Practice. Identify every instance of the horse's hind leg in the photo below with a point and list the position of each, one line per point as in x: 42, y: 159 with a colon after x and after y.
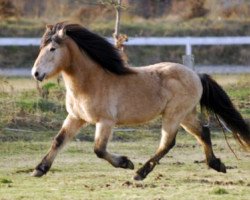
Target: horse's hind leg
x: 67, y: 132
x: 102, y: 134
x: 170, y: 127
x: 202, y: 133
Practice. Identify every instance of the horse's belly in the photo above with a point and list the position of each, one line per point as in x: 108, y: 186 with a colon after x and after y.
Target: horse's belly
x: 130, y: 120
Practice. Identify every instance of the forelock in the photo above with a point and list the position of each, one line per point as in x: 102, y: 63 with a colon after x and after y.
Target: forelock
x: 51, y: 35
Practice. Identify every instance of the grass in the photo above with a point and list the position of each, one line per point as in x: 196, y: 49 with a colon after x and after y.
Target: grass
x: 23, y: 108
x: 78, y: 174
x: 5, y: 181
x: 21, y: 27
x: 220, y: 191
x: 134, y: 26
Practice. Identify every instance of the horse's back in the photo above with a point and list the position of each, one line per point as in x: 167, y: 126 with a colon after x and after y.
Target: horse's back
x: 146, y: 94
x: 177, y: 74
x: 180, y: 80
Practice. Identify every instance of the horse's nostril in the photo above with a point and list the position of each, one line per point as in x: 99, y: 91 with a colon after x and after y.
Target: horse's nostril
x: 36, y: 74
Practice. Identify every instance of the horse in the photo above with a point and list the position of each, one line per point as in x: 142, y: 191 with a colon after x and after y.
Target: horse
x: 102, y: 90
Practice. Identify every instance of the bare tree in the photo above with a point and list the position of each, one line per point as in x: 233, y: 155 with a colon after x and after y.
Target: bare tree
x: 117, y: 7
x: 119, y: 38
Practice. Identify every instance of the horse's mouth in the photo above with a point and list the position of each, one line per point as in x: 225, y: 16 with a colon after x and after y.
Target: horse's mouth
x: 41, y: 78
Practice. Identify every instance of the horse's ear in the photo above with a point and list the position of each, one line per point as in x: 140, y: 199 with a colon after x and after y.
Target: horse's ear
x: 62, y: 33
x: 49, y: 27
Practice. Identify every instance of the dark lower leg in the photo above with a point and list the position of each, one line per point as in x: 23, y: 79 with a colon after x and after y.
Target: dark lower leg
x: 202, y: 133
x: 67, y: 132
x: 212, y: 161
x: 151, y: 163
x: 103, y: 131
x: 44, y: 166
x: 115, y: 160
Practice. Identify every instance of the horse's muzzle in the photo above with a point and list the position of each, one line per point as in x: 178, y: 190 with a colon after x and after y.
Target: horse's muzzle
x: 39, y: 76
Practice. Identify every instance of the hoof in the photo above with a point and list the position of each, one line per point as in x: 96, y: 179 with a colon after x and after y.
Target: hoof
x: 144, y: 171
x: 126, y: 163
x: 138, y: 177
x: 37, y: 173
x: 130, y: 165
x: 217, y: 165
x: 223, y: 168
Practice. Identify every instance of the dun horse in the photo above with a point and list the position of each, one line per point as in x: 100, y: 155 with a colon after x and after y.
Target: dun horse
x: 101, y: 90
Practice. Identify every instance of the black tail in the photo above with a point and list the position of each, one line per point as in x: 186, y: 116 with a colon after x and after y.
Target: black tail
x: 215, y: 99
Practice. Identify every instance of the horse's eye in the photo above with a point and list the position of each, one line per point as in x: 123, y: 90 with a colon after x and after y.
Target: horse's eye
x: 52, y: 49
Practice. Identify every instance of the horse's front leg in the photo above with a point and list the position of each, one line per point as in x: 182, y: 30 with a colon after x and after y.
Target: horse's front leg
x: 102, y: 134
x: 68, y: 131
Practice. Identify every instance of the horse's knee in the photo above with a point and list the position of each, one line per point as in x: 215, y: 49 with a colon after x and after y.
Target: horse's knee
x: 59, y: 140
x: 99, y: 152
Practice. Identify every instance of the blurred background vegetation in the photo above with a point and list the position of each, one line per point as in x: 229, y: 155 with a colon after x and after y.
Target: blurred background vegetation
x: 139, y: 18
x: 27, y: 18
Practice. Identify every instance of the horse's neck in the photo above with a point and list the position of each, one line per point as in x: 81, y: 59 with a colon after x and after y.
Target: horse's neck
x: 83, y: 75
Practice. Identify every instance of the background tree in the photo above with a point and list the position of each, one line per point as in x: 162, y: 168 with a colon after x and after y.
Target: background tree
x: 7, y: 9
x: 150, y: 8
x: 197, y: 8
x: 119, y: 38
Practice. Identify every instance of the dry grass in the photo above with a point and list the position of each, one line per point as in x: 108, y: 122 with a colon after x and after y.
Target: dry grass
x: 23, y: 108
x: 78, y: 174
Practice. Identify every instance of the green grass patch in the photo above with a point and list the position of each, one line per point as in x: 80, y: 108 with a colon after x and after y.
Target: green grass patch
x: 5, y: 181
x: 220, y: 191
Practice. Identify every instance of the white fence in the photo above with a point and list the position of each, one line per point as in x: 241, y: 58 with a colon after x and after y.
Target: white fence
x: 188, y: 42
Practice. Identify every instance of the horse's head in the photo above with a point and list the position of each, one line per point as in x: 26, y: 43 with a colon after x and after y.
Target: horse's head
x: 53, y: 56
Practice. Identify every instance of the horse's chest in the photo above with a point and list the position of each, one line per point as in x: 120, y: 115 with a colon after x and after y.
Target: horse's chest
x: 83, y: 109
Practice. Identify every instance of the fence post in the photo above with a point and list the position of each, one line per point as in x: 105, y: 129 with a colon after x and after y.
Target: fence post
x: 188, y: 60
x: 188, y: 48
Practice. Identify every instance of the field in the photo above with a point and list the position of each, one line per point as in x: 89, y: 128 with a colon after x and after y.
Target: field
x: 28, y: 122
x: 78, y: 174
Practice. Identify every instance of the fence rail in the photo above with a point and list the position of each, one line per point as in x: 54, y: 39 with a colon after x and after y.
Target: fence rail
x: 188, y: 42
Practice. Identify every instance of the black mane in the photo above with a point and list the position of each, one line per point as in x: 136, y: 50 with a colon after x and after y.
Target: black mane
x: 96, y: 47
